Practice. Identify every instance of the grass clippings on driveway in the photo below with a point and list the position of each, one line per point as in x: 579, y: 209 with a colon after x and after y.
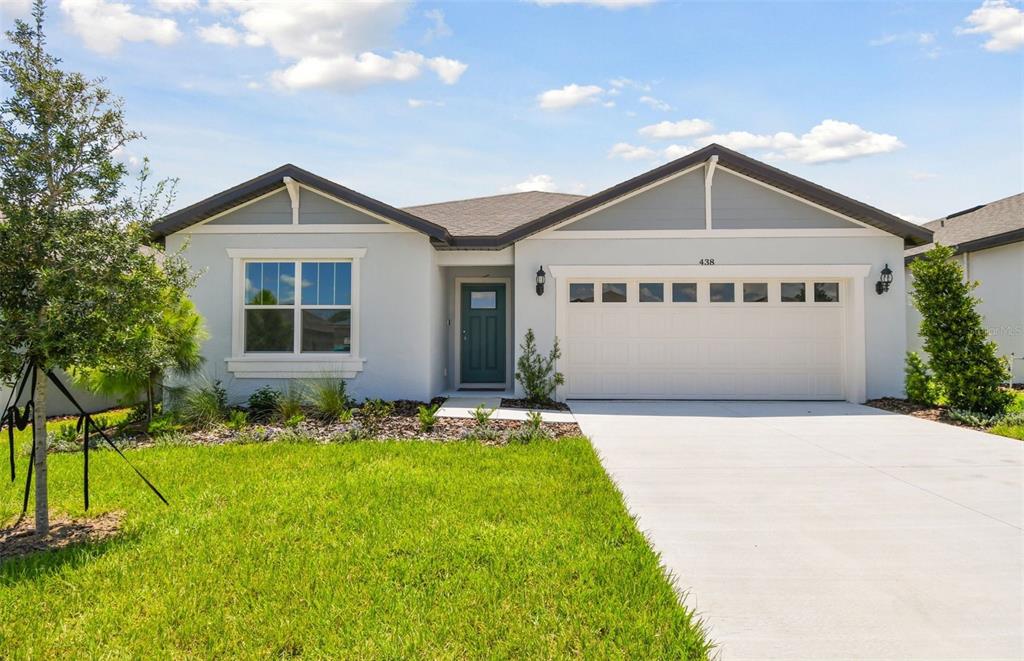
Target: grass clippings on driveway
x: 359, y: 550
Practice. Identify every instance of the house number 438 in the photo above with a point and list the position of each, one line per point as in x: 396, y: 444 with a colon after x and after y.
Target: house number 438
x: 707, y: 261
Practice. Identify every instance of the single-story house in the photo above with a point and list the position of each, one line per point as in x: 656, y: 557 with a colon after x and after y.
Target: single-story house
x: 989, y: 243
x: 712, y: 276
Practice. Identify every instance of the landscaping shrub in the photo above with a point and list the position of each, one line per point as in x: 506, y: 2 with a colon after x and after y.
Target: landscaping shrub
x: 962, y: 357
x: 921, y: 388
x: 537, y: 373
x: 531, y: 430
x: 427, y: 415
x: 64, y: 438
x: 294, y: 421
x: 238, y: 420
x: 329, y: 398
x: 162, y: 424
x: 200, y: 406
x: 372, y: 415
x: 290, y: 403
x: 482, y: 431
x: 263, y: 403
x: 482, y: 415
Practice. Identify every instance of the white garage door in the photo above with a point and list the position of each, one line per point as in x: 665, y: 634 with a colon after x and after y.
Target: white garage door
x: 705, y: 339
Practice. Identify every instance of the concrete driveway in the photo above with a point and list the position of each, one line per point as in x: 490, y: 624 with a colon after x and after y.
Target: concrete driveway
x: 814, y: 530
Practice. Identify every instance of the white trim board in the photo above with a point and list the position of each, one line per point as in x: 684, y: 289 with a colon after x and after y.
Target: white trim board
x: 811, y: 233
x: 305, y: 228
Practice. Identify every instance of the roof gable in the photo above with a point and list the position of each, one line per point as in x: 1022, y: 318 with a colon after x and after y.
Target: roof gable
x: 752, y: 168
x: 270, y: 181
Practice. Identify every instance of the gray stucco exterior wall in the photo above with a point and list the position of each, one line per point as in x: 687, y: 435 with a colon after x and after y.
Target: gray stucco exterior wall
x: 274, y: 209
x: 396, y: 303
x: 740, y: 204
x: 673, y: 205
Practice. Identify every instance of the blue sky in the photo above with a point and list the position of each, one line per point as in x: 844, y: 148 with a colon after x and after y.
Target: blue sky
x: 913, y: 107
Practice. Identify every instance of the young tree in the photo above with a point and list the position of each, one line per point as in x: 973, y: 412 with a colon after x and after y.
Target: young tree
x: 171, y: 346
x: 73, y: 280
x: 963, y: 359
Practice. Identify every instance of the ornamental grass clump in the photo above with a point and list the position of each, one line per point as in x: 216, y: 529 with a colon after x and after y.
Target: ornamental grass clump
x: 962, y: 357
x: 329, y: 398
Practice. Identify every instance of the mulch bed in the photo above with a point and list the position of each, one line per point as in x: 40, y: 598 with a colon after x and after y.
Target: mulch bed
x: 923, y: 411
x: 526, y: 404
x: 22, y: 539
x: 402, y: 424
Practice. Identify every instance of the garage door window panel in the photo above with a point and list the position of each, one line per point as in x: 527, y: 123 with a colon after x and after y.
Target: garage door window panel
x: 826, y: 292
x: 581, y: 292
x: 722, y: 292
x: 755, y: 292
x: 613, y: 292
x: 652, y: 292
x: 684, y: 292
x: 794, y: 292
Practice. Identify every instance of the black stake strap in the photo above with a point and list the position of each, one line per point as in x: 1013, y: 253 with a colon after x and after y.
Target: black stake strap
x: 12, y: 417
x: 81, y: 411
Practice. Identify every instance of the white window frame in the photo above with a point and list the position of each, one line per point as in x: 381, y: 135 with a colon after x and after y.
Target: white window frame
x: 293, y: 364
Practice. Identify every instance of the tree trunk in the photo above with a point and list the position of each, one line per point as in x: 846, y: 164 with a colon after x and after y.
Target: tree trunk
x: 149, y: 400
x: 39, y: 422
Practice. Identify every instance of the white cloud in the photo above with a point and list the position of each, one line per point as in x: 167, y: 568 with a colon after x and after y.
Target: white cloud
x: 920, y: 175
x: 323, y: 29
x: 449, y: 71
x: 913, y: 218
x: 174, y: 5
x: 219, y: 34
x: 535, y: 182
x: 621, y: 83
x: 657, y: 104
x: 103, y: 26
x: 920, y: 38
x: 1000, y: 21
x: 346, y: 72
x: 629, y: 152
x: 331, y: 44
x: 440, y: 29
x: 422, y: 103
x: 607, y: 4
x: 16, y: 9
x: 684, y: 128
x: 608, y: 104
x: 568, y: 96
x: 926, y: 41
x: 831, y: 140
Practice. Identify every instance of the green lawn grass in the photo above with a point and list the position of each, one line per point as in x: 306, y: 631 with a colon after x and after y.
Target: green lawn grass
x: 1012, y: 430
x: 362, y: 550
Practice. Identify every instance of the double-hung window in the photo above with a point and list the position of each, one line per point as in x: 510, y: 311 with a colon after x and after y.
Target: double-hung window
x: 298, y: 306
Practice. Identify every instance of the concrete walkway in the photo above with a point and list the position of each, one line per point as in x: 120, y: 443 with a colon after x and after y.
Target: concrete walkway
x: 462, y: 407
x: 818, y: 530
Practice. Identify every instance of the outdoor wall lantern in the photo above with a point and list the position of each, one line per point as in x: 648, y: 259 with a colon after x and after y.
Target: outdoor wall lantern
x: 884, y: 281
x: 540, y: 281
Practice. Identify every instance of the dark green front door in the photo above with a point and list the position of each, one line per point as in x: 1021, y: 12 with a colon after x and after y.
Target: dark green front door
x: 482, y: 336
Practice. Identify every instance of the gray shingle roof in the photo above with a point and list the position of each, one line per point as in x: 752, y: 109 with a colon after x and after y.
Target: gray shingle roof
x: 988, y: 220
x: 493, y: 215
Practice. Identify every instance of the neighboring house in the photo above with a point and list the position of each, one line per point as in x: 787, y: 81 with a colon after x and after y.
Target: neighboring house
x: 58, y: 404
x: 713, y: 276
x: 989, y: 243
